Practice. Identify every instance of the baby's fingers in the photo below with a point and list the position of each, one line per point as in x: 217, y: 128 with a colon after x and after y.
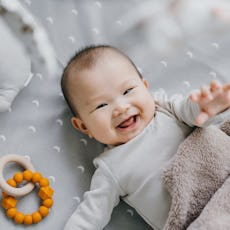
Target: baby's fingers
x: 226, y: 87
x: 215, y: 86
x: 205, y: 93
x: 195, y: 96
x: 201, y: 96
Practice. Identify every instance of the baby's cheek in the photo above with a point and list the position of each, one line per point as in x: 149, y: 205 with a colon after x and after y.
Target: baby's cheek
x: 99, y: 126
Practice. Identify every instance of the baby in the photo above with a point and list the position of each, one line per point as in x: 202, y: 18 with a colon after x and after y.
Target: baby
x: 111, y: 103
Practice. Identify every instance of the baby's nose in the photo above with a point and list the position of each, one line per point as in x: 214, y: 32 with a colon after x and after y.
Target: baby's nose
x: 121, y: 107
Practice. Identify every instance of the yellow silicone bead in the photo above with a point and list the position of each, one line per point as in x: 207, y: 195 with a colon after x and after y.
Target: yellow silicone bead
x: 4, y: 195
x: 44, y: 211
x: 18, y: 177
x: 28, y: 220
x: 36, y: 217
x: 44, y: 182
x: 36, y: 177
x: 45, y: 192
x: 19, y: 217
x: 12, y: 183
x: 48, y: 202
x: 11, y: 212
x: 9, y: 202
x: 27, y: 175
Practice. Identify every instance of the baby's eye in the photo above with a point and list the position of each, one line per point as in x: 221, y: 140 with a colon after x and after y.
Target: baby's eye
x: 101, y: 106
x: 128, y: 91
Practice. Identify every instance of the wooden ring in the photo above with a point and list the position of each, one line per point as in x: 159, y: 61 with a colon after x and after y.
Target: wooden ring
x: 24, y: 163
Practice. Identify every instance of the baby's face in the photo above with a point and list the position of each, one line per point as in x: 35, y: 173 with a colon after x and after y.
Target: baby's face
x: 113, y: 102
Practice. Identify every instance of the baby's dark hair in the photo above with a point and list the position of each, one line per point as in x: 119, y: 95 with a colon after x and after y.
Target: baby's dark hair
x: 86, y: 58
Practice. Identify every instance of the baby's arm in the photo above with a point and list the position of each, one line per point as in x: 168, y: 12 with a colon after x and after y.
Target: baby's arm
x: 95, y: 210
x: 211, y: 100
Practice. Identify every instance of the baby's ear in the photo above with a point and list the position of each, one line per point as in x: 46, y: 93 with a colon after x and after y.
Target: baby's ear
x: 145, y: 83
x: 80, y: 126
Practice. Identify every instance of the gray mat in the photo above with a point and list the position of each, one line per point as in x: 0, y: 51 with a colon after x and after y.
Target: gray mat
x: 38, y: 125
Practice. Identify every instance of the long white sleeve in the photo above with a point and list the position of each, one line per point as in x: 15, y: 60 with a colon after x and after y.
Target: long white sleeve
x: 185, y: 110
x: 95, y: 210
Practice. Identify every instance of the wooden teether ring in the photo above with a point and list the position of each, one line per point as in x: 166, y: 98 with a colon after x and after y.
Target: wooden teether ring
x: 45, y: 193
x: 24, y: 163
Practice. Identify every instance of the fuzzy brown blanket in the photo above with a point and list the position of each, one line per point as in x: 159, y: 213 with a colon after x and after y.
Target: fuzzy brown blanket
x: 199, y: 183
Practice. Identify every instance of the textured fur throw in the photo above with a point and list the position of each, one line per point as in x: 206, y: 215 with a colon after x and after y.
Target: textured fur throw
x: 199, y: 183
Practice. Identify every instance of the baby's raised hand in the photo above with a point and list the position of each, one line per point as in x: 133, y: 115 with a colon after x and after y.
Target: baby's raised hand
x: 211, y: 100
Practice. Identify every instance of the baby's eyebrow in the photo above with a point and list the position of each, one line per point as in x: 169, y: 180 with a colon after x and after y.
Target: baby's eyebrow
x: 131, y: 82
x: 94, y: 99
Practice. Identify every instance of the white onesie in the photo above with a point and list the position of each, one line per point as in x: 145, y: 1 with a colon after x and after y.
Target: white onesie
x: 132, y: 171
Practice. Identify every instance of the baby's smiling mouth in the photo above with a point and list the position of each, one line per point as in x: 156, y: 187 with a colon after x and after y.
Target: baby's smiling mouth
x: 128, y: 122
